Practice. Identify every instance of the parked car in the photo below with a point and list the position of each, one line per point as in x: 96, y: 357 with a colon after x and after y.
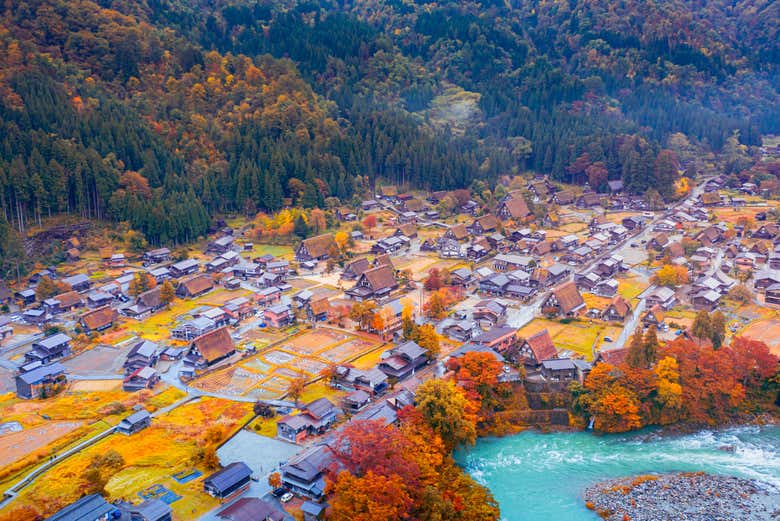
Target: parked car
x: 287, y: 497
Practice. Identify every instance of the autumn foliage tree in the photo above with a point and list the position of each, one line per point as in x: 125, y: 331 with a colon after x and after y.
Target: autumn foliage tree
x: 369, y: 498
x: 449, y: 413
x: 671, y: 275
x: 402, y: 472
x: 692, y: 382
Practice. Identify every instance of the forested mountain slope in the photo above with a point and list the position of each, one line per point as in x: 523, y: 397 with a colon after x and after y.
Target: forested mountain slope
x: 165, y: 112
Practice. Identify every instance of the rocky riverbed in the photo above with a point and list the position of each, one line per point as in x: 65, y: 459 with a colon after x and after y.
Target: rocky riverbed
x: 684, y: 496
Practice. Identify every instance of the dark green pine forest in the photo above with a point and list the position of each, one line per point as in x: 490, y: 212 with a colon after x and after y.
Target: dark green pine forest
x: 165, y: 113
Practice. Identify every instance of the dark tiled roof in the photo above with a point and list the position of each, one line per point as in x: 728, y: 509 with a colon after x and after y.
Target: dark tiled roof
x: 229, y: 476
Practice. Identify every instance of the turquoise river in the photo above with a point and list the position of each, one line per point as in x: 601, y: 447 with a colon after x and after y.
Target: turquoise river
x: 541, y: 477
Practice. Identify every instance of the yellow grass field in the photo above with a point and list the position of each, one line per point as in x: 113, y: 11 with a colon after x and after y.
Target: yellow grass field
x: 575, y: 336
x: 631, y: 287
x: 172, y: 443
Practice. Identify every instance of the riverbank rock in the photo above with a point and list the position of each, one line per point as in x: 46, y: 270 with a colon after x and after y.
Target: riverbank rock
x: 684, y: 496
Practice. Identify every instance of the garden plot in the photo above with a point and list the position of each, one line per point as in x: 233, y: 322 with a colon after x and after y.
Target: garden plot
x: 268, y: 374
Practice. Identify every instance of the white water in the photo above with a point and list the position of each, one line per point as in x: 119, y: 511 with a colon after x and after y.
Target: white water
x: 539, y: 477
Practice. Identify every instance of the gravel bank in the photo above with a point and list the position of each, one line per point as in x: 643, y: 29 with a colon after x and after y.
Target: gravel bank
x: 685, y: 496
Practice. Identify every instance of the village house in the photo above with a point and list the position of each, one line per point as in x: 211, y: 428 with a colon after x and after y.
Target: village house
x: 239, y: 308
x: 710, y: 235
x: 136, y: 422
x: 315, y: 248
x: 579, y: 255
x: 304, y: 474
x: 210, y: 348
x: 511, y: 262
x: 588, y: 200
x: 564, y: 300
x: 317, y: 309
x: 222, y: 262
x: 560, y: 370
x: 372, y: 381
x: 42, y: 381
x: 461, y: 277
x: 406, y: 230
x: 772, y: 295
x: 706, y: 300
x: 145, y: 304
x: 536, y: 348
x: 63, y: 303
x: 80, y: 282
x: 654, y: 316
x: 513, y: 206
x: 355, y: 268
x: 482, y: 225
x: 195, y: 286
x: 97, y: 507
x: 606, y: 288
x: 563, y: 197
x: 268, y: 296
x: 766, y: 231
x: 220, y: 245
x: 498, y: 338
x: 315, y: 418
x: 617, y: 310
x: 633, y: 222
x: 157, y: 256
x: 587, y: 281
x: 36, y: 317
x: 765, y: 278
x: 279, y: 315
x: 98, y: 320
x: 711, y: 199
x: 392, y: 314
x: 460, y: 330
x: 478, y: 249
x: 228, y: 481
x: 457, y: 232
x: 403, y: 360
x: 370, y: 204
x: 390, y: 244
x: 25, y: 296
x: 142, y: 354
x: 184, y: 268
x: 663, y: 296
x: 407, y: 217
x: 450, y: 249
x: 48, y: 349
x: 374, y: 284
x: 659, y: 242
x: 189, y: 329
x: 495, y: 284
x: 611, y: 356
x: 489, y: 313
x: 664, y: 225
x: 141, y: 378
x: 99, y: 298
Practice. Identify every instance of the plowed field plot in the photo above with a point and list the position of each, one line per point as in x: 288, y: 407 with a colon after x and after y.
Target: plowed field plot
x: 276, y: 357
x: 315, y: 341
x: 16, y: 445
x: 345, y: 350
x: 268, y: 374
